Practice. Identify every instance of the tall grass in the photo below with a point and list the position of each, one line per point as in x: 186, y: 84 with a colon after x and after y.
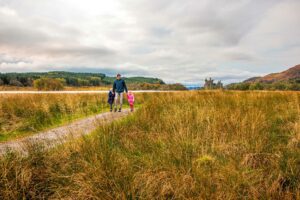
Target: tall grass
x: 189, y: 145
x: 23, y: 114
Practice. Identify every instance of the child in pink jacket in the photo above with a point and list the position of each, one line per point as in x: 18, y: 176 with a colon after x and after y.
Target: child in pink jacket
x: 130, y: 98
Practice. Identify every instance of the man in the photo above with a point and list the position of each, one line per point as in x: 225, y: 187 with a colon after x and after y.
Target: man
x: 118, y: 89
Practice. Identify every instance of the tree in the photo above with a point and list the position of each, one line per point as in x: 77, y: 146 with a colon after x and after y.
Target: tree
x: 95, y: 81
x: 16, y: 83
x: 83, y: 82
x: 49, y: 84
x: 279, y: 86
x: 256, y: 86
x: 239, y: 86
x: 294, y: 86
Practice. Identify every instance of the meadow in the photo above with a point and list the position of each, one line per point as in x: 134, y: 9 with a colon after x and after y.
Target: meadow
x: 86, y: 88
x: 185, y: 145
x: 25, y: 114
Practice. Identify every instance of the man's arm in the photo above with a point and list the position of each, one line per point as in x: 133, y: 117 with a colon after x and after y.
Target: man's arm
x: 114, y: 87
x: 125, y: 87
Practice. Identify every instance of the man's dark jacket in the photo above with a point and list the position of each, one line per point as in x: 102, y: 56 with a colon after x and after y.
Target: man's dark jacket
x: 120, y: 86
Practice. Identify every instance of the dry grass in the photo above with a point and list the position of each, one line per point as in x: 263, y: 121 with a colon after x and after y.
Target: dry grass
x: 23, y: 114
x: 189, y: 145
x: 86, y: 88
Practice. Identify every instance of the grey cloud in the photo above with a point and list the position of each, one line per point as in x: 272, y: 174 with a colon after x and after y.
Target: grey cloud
x: 80, y: 51
x: 171, y: 39
x: 226, y: 21
x: 110, y: 71
x: 239, y: 56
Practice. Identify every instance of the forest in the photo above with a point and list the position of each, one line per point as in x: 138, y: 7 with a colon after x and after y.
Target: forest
x: 68, y: 78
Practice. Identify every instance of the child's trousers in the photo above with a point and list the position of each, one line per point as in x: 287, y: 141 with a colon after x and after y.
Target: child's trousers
x: 131, y: 107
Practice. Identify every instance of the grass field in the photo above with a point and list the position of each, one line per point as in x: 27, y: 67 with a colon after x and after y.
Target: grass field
x: 189, y: 145
x: 24, y: 114
x: 12, y: 88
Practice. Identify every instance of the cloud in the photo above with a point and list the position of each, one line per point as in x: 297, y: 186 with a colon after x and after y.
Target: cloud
x: 178, y: 41
x: 4, y: 59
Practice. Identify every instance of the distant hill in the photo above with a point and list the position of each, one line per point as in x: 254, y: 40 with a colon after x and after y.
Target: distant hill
x: 70, y: 79
x: 252, y: 80
x: 286, y: 80
x: 137, y: 79
x: 287, y: 75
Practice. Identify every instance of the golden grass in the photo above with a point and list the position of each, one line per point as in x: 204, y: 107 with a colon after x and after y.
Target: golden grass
x: 189, y: 145
x: 21, y: 114
x: 24, y: 114
x: 87, y: 88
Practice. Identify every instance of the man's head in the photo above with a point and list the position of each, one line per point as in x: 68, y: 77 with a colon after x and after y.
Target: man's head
x: 118, y: 76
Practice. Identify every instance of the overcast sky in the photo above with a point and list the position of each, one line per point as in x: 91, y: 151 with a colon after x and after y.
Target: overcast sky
x: 176, y: 40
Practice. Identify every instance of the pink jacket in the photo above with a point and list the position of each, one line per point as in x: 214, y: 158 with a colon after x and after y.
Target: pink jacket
x: 130, y: 98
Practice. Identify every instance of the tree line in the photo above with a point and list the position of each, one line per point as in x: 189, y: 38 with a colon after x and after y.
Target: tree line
x: 58, y: 79
x: 293, y: 85
x: 69, y: 78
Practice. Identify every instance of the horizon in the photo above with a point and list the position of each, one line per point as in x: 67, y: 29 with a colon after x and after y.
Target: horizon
x: 192, y: 84
x: 186, y: 84
x: 170, y: 40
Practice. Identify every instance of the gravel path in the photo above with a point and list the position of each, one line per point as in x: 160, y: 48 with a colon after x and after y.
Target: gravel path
x: 62, y: 134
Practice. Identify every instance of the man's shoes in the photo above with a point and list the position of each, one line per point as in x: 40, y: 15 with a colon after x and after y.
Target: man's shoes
x: 115, y: 109
x: 120, y: 110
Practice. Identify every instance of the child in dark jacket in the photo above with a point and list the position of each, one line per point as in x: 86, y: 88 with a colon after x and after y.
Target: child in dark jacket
x: 111, y: 99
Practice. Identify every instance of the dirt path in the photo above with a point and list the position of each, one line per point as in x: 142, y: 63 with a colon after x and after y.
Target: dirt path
x: 62, y: 134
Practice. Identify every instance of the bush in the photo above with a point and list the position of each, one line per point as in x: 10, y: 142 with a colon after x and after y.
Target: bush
x: 289, y: 85
x: 156, y: 86
x: 279, y: 86
x: 95, y: 81
x: 294, y: 87
x: 16, y: 83
x: 239, y: 86
x: 256, y: 86
x: 49, y: 84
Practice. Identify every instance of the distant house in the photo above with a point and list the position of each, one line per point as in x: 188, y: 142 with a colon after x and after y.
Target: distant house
x: 210, y: 85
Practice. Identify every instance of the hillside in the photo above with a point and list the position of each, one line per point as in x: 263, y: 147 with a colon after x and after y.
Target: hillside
x: 286, y: 80
x: 287, y: 75
x: 70, y: 78
x: 137, y: 79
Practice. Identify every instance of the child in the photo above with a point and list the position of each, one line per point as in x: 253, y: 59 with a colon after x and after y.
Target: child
x: 130, y: 98
x: 111, y: 99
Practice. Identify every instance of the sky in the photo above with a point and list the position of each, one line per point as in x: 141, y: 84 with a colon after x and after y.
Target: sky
x: 182, y: 41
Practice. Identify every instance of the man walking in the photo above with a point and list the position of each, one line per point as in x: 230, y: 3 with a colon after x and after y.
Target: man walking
x: 118, y: 88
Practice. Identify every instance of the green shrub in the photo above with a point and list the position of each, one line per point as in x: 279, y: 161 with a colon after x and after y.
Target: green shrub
x: 49, y: 84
